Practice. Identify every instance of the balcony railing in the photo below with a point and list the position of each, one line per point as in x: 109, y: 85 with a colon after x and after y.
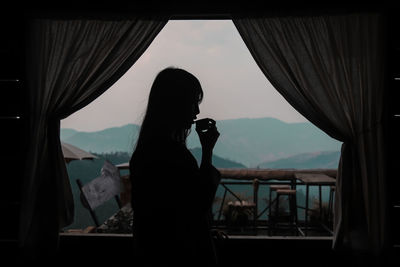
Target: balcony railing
x: 246, y: 192
x: 253, y: 209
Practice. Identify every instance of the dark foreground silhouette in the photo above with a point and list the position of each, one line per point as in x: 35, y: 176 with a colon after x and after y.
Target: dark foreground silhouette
x: 171, y: 195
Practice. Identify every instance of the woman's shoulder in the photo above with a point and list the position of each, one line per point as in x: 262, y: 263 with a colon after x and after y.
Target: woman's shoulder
x: 161, y: 161
x: 165, y: 150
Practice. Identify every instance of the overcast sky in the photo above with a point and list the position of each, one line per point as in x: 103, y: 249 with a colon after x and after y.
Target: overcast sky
x: 234, y: 86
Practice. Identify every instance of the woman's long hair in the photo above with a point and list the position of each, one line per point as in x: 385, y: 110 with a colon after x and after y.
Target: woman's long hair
x: 172, y: 95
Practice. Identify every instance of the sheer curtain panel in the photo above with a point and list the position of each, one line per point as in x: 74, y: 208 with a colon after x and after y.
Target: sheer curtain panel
x: 69, y: 64
x: 331, y: 69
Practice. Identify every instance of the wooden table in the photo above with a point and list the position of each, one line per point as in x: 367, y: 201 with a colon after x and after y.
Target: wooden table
x: 314, y: 179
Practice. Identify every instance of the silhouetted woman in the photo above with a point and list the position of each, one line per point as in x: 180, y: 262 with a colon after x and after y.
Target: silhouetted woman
x: 171, y: 195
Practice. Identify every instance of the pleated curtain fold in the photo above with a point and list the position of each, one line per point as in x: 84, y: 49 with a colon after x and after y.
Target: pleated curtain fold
x: 69, y: 64
x: 331, y: 69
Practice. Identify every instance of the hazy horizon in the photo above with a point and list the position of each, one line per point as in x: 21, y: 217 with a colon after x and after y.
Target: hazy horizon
x: 122, y: 125
x: 234, y: 86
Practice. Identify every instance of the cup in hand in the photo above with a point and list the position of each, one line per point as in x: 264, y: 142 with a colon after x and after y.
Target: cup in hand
x: 203, y: 125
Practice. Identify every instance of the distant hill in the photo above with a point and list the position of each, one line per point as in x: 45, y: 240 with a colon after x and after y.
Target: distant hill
x: 87, y: 170
x: 316, y: 160
x: 249, y: 141
x: 67, y: 133
x: 109, y: 140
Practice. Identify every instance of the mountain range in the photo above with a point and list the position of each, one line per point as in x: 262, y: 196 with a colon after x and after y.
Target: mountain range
x: 252, y: 142
x: 315, y: 160
x: 262, y: 143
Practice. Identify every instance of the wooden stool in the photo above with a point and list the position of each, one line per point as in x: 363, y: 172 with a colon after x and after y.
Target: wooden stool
x: 330, y: 203
x: 275, y: 188
x: 291, y: 194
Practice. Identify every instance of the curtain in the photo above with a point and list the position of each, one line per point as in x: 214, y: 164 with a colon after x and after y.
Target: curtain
x: 331, y: 69
x: 69, y: 64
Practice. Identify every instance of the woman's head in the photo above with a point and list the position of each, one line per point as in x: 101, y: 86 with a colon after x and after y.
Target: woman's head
x: 173, y: 104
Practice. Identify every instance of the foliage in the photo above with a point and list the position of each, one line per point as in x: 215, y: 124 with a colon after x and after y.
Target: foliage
x: 237, y: 213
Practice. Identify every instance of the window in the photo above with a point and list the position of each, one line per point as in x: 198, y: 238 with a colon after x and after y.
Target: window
x: 259, y: 129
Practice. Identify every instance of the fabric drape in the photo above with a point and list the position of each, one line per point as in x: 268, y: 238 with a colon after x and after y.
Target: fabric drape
x: 69, y: 64
x: 331, y: 69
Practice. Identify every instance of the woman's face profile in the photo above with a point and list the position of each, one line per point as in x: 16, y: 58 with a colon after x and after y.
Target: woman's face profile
x: 191, y: 115
x: 174, y: 99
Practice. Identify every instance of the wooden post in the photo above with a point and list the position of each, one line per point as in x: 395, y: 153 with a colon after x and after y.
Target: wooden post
x: 256, y: 185
x: 222, y: 206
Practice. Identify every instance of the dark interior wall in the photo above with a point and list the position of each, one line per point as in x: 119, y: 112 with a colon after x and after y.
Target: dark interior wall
x: 233, y: 252
x: 392, y: 122
x: 13, y: 120
x: 190, y: 9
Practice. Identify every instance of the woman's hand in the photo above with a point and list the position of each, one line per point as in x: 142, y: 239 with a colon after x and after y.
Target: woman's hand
x: 208, y: 138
